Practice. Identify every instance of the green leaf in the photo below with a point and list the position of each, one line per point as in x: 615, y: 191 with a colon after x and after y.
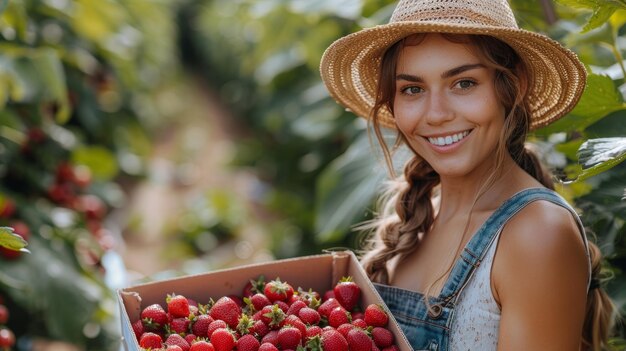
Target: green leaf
x: 602, y: 10
x: 599, y: 99
x: 98, y: 159
x: 50, y: 69
x: 11, y: 240
x: 599, y: 155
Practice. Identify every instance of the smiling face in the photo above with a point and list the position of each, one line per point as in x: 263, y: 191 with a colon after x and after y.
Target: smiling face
x: 446, y: 105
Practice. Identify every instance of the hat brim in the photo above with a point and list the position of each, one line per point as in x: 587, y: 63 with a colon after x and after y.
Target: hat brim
x: 350, y: 67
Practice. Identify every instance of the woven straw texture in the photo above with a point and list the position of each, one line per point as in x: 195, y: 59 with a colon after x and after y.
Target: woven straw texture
x: 350, y: 66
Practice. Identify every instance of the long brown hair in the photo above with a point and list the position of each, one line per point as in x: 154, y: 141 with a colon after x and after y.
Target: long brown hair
x: 407, y: 209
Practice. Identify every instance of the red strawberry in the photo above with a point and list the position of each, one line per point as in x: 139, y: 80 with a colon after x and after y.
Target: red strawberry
x: 374, y: 347
x: 345, y: 328
x: 359, y: 323
x: 177, y: 305
x: 330, y: 294
x: 273, y: 316
x: 175, y: 339
x: 254, y: 286
x: 332, y: 340
x: 227, y: 310
x: 214, y: 326
x: 309, y: 316
x: 201, y: 345
x: 150, y: 340
x: 277, y: 290
x: 391, y: 348
x: 313, y: 331
x: 248, y: 343
x: 283, y: 305
x: 382, y: 337
x: 289, y: 338
x: 190, y: 338
x: 376, y: 316
x: 237, y: 300
x: 267, y: 347
x: 338, y: 316
x: 137, y: 328
x: 154, y: 317
x: 223, y: 340
x: 357, y: 315
x: 201, y: 324
x: 271, y: 337
x: 358, y: 340
x: 296, y: 307
x: 179, y: 326
x: 173, y: 348
x: 259, y: 301
x: 327, y: 306
x: 347, y: 293
x: 259, y: 328
x: 295, y: 322
x: 309, y: 295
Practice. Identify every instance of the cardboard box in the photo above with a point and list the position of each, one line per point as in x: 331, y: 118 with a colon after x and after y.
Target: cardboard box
x: 319, y: 272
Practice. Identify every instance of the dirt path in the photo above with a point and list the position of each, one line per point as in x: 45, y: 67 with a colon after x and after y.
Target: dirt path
x: 189, y: 158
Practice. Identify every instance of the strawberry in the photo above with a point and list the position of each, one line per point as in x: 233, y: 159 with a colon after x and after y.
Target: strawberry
x: 347, y: 293
x: 154, y: 317
x: 329, y: 340
x: 391, y: 348
x: 259, y: 301
x: 259, y: 328
x: 267, y: 347
x: 276, y: 290
x: 345, y: 328
x: 359, y: 323
x: 201, y: 345
x: 150, y: 340
x: 330, y: 294
x: 313, y: 331
x: 295, y: 322
x: 227, y: 310
x: 296, y: 307
x: 175, y: 339
x: 357, y: 315
x: 254, y: 286
x: 271, y: 337
x: 374, y: 347
x: 179, y: 326
x: 214, y: 326
x: 237, y: 300
x: 376, y: 316
x: 248, y: 343
x: 137, y: 328
x: 273, y: 316
x: 173, y: 348
x: 177, y: 305
x: 309, y: 316
x: 382, y: 337
x: 245, y: 325
x: 358, y: 340
x: 282, y: 305
x: 338, y: 316
x: 223, y: 340
x: 191, y: 338
x: 327, y: 306
x: 289, y: 338
x: 201, y: 324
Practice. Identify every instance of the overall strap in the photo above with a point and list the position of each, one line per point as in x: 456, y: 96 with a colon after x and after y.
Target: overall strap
x: 475, y: 250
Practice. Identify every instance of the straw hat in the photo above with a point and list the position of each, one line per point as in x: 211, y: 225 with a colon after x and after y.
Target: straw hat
x: 350, y: 66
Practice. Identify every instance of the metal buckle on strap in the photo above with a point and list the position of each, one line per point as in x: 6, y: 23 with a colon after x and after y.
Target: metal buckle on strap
x: 435, y: 311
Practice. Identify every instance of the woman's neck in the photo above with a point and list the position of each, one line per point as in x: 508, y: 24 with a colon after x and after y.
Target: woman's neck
x: 481, y: 190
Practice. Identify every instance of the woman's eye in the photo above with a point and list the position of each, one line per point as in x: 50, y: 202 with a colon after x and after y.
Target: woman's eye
x: 412, y: 90
x: 465, y: 84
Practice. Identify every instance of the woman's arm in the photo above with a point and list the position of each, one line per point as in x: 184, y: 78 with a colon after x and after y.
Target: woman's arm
x: 539, y: 278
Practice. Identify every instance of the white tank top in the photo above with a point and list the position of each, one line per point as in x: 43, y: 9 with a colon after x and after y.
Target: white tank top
x: 477, y: 316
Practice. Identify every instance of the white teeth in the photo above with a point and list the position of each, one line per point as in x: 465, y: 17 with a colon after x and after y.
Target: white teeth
x: 448, y: 140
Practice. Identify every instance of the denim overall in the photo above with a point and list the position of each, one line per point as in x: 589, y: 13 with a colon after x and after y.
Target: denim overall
x: 431, y: 331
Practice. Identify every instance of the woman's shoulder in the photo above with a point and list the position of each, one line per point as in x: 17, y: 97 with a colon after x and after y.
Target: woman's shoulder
x: 542, y: 246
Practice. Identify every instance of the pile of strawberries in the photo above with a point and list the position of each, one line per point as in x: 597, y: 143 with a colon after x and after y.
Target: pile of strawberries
x: 270, y: 316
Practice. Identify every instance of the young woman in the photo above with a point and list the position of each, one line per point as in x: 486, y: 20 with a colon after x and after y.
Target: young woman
x: 473, y: 250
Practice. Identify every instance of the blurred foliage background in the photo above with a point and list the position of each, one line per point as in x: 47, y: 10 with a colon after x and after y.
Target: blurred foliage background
x: 90, y: 88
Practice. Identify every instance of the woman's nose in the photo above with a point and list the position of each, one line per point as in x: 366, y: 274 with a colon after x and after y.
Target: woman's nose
x: 439, y: 110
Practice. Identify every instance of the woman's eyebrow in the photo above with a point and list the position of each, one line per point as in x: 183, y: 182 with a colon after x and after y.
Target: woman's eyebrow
x: 447, y: 74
